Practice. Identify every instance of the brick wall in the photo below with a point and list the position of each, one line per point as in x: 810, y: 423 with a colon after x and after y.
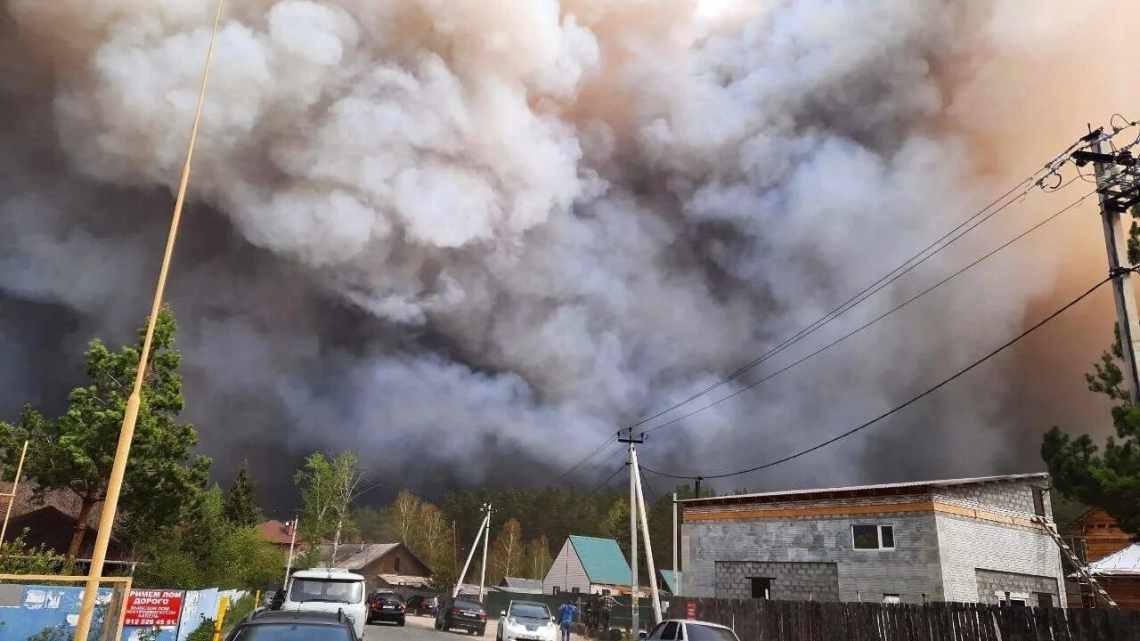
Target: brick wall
x: 968, y: 545
x: 991, y: 584
x: 790, y: 581
x: 911, y: 570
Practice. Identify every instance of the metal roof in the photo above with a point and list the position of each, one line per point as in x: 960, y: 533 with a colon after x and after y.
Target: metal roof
x: 521, y: 586
x: 1124, y: 563
x: 356, y: 556
x: 602, y: 559
x: 885, y: 488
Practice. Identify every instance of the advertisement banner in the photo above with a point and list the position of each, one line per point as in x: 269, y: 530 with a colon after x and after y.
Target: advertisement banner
x: 149, y: 608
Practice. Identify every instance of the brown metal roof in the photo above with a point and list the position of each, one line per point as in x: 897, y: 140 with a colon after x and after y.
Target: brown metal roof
x: 882, y: 489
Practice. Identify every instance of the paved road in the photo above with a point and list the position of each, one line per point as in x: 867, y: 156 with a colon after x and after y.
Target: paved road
x: 419, y: 629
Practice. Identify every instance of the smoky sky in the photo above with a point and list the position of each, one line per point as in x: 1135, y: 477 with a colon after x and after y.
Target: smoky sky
x: 469, y: 240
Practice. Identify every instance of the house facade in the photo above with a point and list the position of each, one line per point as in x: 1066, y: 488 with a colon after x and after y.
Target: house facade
x: 383, y: 565
x: 964, y: 540
x: 588, y: 565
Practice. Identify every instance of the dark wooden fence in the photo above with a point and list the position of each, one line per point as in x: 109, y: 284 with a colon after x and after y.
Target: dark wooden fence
x: 756, y: 620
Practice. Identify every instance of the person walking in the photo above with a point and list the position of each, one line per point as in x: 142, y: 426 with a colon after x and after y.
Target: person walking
x: 566, y: 615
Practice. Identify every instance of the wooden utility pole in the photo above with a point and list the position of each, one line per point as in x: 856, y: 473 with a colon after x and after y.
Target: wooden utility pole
x: 12, y: 495
x: 131, y: 413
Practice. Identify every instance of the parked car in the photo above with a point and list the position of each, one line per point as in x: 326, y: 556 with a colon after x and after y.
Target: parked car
x: 464, y: 613
x: 526, y: 621
x: 688, y: 630
x: 386, y: 606
x: 421, y: 605
x: 328, y: 590
x: 281, y: 625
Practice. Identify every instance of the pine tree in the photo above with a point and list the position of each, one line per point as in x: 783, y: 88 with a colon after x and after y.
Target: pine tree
x: 241, y: 501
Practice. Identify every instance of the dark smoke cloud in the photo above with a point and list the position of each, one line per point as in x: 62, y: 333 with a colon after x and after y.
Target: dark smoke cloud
x: 470, y: 239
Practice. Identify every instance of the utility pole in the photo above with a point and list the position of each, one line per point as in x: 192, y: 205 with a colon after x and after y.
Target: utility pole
x: 633, y: 581
x: 1117, y: 190
x: 470, y: 555
x: 486, y: 538
x: 656, y: 596
x: 292, y: 541
x: 134, y: 401
x: 676, y: 572
x: 12, y: 495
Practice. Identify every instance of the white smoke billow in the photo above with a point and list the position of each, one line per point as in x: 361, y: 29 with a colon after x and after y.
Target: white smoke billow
x: 569, y: 212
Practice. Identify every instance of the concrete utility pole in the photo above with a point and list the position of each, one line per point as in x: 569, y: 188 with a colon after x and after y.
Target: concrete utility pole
x: 486, y: 538
x: 134, y: 401
x: 656, y: 596
x: 1117, y: 195
x: 633, y: 581
x: 470, y: 555
x: 676, y: 572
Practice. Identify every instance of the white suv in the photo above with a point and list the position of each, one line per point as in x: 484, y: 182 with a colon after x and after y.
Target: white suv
x: 329, y: 590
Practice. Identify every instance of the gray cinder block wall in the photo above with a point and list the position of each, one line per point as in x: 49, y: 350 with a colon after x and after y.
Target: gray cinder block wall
x: 940, y: 553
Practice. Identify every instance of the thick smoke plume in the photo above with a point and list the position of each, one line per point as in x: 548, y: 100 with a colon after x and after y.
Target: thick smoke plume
x: 454, y: 234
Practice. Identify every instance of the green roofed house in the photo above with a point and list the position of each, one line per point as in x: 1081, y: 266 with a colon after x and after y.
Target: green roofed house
x: 588, y: 565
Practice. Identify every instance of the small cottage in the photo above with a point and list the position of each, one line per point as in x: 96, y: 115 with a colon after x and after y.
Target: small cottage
x: 588, y: 565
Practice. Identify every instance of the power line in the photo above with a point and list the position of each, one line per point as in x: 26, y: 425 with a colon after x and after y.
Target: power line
x: 875, y: 320
x: 978, y: 218
x: 600, y: 486
x: 583, y: 460
x: 897, y: 408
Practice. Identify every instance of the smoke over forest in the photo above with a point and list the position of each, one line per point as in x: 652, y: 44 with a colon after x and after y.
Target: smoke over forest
x: 471, y: 238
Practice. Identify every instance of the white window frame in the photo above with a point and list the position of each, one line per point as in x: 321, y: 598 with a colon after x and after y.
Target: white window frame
x: 892, y: 599
x: 878, y: 537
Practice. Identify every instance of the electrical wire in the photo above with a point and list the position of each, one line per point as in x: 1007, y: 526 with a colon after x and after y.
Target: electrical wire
x: 914, y: 399
x: 875, y: 320
x: 1026, y: 185
x: 583, y: 460
x: 600, y: 486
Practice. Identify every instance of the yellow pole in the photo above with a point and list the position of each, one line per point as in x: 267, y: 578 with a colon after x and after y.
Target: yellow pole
x: 127, y: 431
x: 256, y: 599
x: 223, y: 606
x: 12, y: 496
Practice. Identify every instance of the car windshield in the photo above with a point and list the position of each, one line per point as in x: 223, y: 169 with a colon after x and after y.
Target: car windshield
x: 331, y: 591
x: 697, y: 632
x: 468, y: 605
x: 293, y: 632
x: 530, y: 611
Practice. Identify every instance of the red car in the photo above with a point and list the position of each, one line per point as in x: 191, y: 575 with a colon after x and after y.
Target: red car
x: 386, y: 606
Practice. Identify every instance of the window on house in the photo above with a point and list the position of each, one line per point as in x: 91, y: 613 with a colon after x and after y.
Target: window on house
x: 761, y: 587
x: 1039, y: 501
x: 556, y: 590
x: 397, y: 565
x: 605, y: 592
x: 891, y: 599
x: 575, y: 590
x: 1044, y: 600
x: 873, y: 537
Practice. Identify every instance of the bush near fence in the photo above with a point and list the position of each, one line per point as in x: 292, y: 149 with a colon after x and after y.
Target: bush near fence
x: 756, y: 620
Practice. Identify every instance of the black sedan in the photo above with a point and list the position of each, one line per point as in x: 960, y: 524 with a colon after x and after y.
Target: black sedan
x: 275, y: 625
x: 386, y: 606
x: 462, y: 613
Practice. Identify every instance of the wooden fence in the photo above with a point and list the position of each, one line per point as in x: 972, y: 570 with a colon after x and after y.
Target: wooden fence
x: 756, y: 620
